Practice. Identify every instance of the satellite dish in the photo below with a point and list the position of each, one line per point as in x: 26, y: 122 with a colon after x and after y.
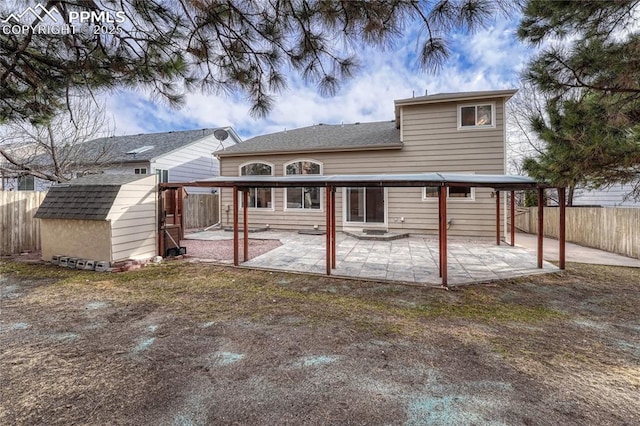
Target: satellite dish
x: 221, y: 134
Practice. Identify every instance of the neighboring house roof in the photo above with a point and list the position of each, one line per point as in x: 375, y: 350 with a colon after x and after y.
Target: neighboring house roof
x: 322, y: 137
x: 452, y: 97
x: 86, y: 198
x: 142, y: 147
x: 149, y: 146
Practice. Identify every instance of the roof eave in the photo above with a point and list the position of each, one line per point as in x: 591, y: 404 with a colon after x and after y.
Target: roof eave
x: 313, y: 150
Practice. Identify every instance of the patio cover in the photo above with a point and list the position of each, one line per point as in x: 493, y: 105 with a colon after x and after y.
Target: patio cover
x: 499, y: 182
x: 441, y: 180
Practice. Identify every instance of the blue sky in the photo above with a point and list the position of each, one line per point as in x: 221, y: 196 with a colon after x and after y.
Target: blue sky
x: 491, y: 58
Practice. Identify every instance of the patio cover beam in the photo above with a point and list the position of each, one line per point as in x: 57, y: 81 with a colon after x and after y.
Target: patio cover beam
x: 245, y: 219
x: 498, y: 182
x: 497, y: 217
x: 328, y: 242
x: 235, y: 226
x: 442, y: 233
x: 561, y: 231
x: 333, y: 227
x: 513, y: 218
x: 540, y: 226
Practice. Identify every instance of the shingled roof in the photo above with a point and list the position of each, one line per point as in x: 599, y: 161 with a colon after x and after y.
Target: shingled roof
x: 119, y: 149
x: 322, y: 137
x: 86, y: 198
x: 160, y: 143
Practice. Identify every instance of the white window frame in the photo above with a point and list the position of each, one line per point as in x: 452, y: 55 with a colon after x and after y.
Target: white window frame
x: 30, y: 178
x: 140, y: 171
x: 476, y: 105
x: 286, y: 194
x: 159, y: 173
x: 345, y: 202
x: 460, y: 199
x: 273, y: 170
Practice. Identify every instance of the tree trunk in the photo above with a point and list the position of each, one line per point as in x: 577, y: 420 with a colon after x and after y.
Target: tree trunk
x: 570, y: 196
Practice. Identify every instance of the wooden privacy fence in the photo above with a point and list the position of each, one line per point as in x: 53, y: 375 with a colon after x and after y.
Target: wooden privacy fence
x: 200, y: 210
x: 613, y: 229
x: 19, y: 231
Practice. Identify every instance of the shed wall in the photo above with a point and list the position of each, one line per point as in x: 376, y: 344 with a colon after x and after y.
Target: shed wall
x: 432, y: 143
x: 133, y: 219
x: 85, y: 239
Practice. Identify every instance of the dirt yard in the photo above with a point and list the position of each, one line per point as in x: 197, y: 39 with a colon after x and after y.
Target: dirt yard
x: 195, y: 344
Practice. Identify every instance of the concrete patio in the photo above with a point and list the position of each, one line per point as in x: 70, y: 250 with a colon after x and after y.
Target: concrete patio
x: 409, y: 260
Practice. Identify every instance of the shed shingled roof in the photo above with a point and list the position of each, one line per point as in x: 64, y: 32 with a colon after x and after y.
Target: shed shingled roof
x: 322, y: 137
x: 86, y: 198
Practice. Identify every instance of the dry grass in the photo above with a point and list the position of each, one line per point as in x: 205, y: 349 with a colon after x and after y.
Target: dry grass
x: 572, y: 336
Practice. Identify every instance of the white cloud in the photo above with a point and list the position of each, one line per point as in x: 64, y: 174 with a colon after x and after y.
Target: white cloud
x: 488, y: 59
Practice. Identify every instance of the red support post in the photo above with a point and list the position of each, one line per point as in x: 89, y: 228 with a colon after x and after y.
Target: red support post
x: 498, y: 217
x: 175, y: 206
x: 540, y: 226
x: 513, y: 218
x: 442, y: 238
x: 327, y: 202
x: 439, y: 232
x: 245, y: 218
x: 235, y: 226
x: 562, y: 235
x: 333, y: 227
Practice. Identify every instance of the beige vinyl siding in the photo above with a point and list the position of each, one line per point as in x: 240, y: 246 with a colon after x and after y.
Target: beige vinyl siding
x: 69, y: 238
x: 432, y: 143
x: 133, y: 221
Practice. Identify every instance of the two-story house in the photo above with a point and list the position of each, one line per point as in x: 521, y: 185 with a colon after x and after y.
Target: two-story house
x: 449, y: 132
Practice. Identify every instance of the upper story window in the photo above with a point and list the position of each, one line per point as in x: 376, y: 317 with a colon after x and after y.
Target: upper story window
x: 259, y: 198
x: 476, y: 116
x: 163, y: 175
x: 26, y: 183
x: 140, y: 171
x: 303, y: 198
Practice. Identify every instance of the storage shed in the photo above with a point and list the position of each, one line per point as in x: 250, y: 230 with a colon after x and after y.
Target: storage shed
x: 100, y: 217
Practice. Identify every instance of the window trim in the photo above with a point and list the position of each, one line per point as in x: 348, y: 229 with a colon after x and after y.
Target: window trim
x: 449, y: 198
x: 32, y: 181
x: 273, y: 199
x: 286, y: 193
x: 476, y: 105
x: 363, y: 225
x: 140, y: 171
x: 159, y: 174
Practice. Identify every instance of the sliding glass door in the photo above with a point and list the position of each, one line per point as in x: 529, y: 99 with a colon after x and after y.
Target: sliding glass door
x: 365, y: 205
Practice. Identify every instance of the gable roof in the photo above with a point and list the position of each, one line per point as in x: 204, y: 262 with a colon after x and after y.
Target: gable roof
x: 140, y: 148
x: 322, y: 137
x: 86, y: 198
x: 158, y: 143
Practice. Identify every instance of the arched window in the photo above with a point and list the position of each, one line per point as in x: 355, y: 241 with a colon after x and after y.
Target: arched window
x: 259, y: 198
x: 303, y: 198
